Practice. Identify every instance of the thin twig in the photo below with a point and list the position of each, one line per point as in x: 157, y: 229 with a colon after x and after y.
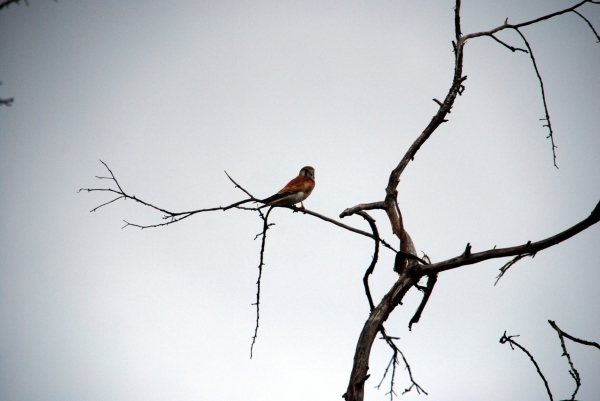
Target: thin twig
x: 506, y: 25
x: 589, y: 24
x: 431, y: 280
x: 509, y: 264
x: 261, y: 263
x: 239, y: 186
x: 570, y: 337
x: 371, y: 267
x: 363, y: 206
x: 337, y: 223
x: 509, y: 339
x: 547, y: 118
x: 393, y: 363
x: 513, y: 49
x: 573, y: 372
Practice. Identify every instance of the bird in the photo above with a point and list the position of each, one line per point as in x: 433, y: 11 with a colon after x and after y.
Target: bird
x: 297, y: 190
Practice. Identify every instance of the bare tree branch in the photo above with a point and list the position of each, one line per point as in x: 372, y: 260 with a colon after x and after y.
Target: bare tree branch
x: 261, y: 263
x: 570, y: 337
x: 547, y: 118
x: 355, y: 390
x: 506, y: 25
x: 363, y: 206
x: 590, y: 25
x: 371, y: 267
x: 174, y: 217
x: 526, y: 249
x: 509, y: 264
x: 238, y: 186
x: 431, y: 280
x: 7, y: 3
x: 573, y: 372
x: 509, y: 339
x: 410, y: 273
x: 393, y: 363
x: 511, y: 48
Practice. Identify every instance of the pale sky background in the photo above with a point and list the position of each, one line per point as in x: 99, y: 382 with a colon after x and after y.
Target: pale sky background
x: 171, y: 94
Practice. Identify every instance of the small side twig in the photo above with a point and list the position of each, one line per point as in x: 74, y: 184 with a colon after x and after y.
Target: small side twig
x: 573, y: 372
x: 7, y: 3
x: 431, y: 280
x: 575, y: 339
x: 509, y: 339
x: 261, y: 263
x: 590, y: 25
x: 547, y: 118
x: 511, y: 48
x: 509, y: 264
x: 371, y: 267
x: 395, y: 362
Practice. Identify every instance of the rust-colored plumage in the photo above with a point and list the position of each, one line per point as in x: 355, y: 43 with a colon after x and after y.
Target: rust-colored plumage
x: 295, y: 191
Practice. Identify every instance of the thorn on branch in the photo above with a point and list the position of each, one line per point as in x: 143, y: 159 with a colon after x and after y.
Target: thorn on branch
x: 467, y: 252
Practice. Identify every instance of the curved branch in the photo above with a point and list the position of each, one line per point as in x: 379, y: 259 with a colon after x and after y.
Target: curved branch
x: 526, y: 249
x: 7, y: 3
x: 570, y: 337
x: 509, y: 47
x: 573, y: 372
x: 509, y: 339
x: 547, y: 118
x: 363, y: 206
x: 371, y: 267
x: 589, y: 24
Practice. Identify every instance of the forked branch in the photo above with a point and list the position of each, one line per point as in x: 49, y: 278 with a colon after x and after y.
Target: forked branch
x: 509, y: 339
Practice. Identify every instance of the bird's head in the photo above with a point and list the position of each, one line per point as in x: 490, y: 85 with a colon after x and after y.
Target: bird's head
x: 307, y: 172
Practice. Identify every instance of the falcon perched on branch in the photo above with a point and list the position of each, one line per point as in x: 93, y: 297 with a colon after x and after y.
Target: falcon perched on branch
x: 295, y: 191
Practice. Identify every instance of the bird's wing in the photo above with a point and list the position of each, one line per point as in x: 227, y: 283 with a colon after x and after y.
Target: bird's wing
x: 298, y: 184
x: 277, y: 196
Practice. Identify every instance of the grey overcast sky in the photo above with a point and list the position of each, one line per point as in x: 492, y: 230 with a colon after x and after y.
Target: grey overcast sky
x: 170, y: 94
